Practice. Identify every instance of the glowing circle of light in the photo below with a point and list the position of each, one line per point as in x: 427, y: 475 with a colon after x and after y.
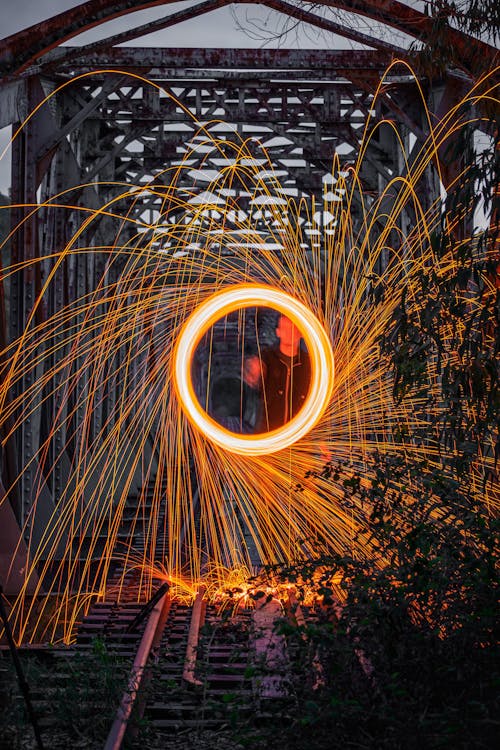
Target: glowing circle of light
x: 320, y: 353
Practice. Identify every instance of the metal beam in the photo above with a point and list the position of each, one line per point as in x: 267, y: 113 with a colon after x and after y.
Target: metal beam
x: 56, y: 137
x: 407, y: 19
x: 177, y: 61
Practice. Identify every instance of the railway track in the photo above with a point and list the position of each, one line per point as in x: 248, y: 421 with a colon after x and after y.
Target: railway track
x: 190, y: 667
x: 206, y: 670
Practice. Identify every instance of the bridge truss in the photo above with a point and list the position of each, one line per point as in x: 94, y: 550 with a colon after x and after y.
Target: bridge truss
x: 92, y: 119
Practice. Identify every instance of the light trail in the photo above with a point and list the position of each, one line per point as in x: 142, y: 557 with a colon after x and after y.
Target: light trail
x: 318, y: 345
x: 120, y: 343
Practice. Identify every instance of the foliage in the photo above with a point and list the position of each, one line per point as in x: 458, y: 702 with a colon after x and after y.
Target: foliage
x: 436, y: 53
x: 448, y: 334
x: 75, y: 697
x: 409, y: 660
x: 478, y: 17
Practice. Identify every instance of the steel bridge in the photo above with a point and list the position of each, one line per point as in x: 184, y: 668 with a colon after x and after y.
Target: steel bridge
x: 94, y: 117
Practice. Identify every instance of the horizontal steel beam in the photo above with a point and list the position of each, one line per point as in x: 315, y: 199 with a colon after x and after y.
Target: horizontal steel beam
x: 169, y: 60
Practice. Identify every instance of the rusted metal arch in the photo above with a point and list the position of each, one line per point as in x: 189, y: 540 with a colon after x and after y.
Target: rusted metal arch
x: 24, y: 48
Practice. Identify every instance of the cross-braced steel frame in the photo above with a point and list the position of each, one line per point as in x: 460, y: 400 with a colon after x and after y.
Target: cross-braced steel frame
x: 105, y: 127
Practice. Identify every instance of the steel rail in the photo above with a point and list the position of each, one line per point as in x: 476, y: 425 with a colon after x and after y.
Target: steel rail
x: 197, y: 615
x: 150, y: 640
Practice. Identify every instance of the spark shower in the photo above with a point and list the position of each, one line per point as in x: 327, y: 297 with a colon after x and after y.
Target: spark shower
x: 118, y: 345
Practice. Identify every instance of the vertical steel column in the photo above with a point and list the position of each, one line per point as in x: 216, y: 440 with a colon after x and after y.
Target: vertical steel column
x: 56, y: 409
x: 24, y: 249
x: 8, y: 454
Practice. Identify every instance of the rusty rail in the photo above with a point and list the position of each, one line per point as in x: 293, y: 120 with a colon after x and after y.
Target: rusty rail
x: 150, y: 640
x: 197, y: 616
